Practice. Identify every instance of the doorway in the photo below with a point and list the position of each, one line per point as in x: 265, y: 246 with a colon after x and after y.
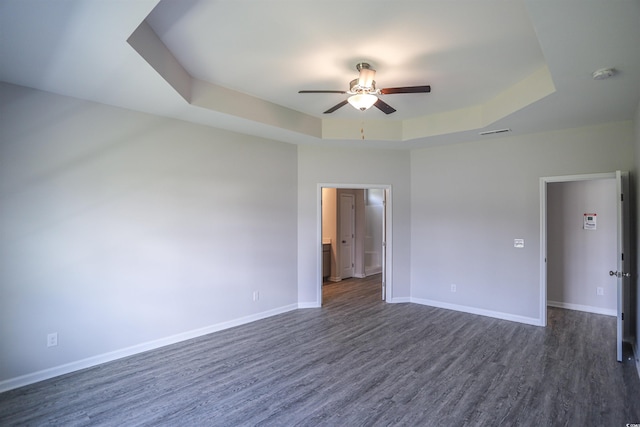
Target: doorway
x: 354, y: 234
x: 616, y: 279
x: 581, y: 245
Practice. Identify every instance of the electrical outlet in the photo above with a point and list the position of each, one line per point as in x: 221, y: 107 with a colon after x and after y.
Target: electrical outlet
x: 599, y: 291
x: 454, y: 288
x: 256, y: 295
x: 52, y: 339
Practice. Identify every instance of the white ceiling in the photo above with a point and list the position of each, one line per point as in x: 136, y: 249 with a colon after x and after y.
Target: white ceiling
x: 272, y: 49
x: 238, y: 64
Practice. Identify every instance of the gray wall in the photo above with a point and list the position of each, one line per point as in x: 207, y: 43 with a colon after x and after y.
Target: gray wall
x: 119, y: 228
x: 579, y: 260
x: 471, y: 200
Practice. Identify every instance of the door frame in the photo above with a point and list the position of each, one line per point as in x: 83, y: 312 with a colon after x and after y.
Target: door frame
x: 387, y: 240
x: 544, y: 181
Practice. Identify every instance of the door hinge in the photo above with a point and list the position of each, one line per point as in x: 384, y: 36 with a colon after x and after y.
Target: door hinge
x: 622, y: 316
x: 622, y: 256
x: 622, y: 197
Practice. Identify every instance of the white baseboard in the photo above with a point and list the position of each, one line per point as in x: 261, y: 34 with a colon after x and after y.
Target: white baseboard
x: 586, y: 308
x: 309, y: 305
x: 359, y: 276
x: 399, y: 300
x: 89, y: 362
x: 479, y: 311
x: 372, y: 271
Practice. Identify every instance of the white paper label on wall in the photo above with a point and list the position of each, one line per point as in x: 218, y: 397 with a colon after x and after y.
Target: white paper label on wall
x: 590, y: 221
x: 518, y: 243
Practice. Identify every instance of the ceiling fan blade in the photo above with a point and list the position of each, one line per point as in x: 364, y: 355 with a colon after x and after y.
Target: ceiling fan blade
x: 321, y: 91
x: 335, y: 107
x: 407, y: 89
x: 384, y: 107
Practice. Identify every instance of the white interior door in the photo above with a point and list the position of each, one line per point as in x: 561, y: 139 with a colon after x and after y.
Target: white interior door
x: 384, y: 245
x: 622, y: 273
x: 347, y: 235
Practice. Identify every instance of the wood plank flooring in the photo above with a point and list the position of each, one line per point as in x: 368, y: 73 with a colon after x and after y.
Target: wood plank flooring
x: 357, y: 361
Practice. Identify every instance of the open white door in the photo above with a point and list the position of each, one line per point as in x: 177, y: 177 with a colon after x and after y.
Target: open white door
x: 622, y: 274
x: 384, y: 245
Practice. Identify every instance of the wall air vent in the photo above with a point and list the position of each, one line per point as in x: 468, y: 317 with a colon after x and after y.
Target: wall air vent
x: 493, y: 132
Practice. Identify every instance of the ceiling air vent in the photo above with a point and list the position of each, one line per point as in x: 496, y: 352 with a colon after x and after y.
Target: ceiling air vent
x: 493, y: 132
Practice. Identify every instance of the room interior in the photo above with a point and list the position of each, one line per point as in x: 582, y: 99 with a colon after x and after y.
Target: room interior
x: 160, y: 172
x: 364, y: 226
x: 576, y: 255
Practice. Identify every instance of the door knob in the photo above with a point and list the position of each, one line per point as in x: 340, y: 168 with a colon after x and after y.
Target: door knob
x: 619, y: 274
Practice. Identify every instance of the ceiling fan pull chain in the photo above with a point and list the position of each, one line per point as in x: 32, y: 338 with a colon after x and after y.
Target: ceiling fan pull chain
x: 362, y: 130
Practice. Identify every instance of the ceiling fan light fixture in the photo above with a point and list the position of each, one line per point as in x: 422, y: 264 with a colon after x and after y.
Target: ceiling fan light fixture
x: 363, y: 93
x: 362, y: 101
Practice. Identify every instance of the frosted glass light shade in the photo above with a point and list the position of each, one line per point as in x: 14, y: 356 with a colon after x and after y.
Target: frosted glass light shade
x: 365, y: 80
x: 362, y: 101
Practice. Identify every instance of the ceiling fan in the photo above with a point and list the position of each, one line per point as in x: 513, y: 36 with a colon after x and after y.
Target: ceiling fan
x: 364, y: 94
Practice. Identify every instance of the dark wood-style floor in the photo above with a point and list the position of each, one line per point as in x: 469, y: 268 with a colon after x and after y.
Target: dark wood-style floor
x: 355, y: 362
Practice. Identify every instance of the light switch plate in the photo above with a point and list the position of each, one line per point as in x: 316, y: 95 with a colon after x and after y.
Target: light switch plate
x: 518, y: 243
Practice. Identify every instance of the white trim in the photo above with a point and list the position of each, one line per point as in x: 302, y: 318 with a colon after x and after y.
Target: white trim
x: 479, y: 311
x: 388, y: 243
x: 543, y: 229
x: 372, y: 271
x: 636, y: 356
x: 585, y: 308
x: 543, y: 252
x: 582, y: 177
x: 308, y: 305
x: 399, y: 300
x: 389, y: 221
x: 89, y: 362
